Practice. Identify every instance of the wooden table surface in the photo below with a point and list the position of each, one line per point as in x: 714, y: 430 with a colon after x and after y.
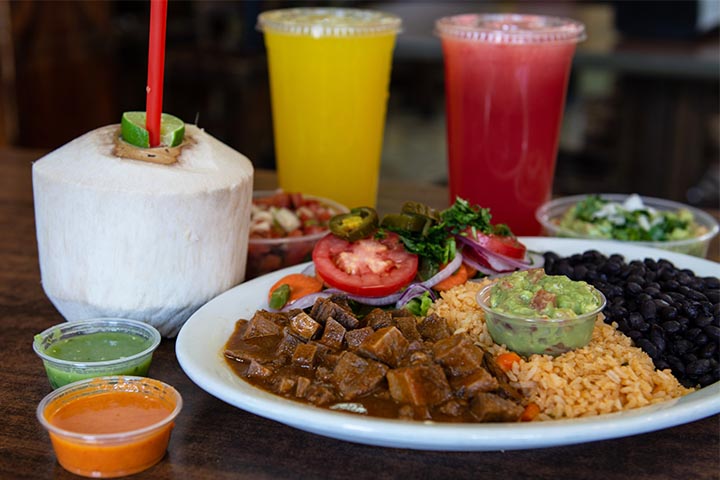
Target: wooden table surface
x: 214, y: 440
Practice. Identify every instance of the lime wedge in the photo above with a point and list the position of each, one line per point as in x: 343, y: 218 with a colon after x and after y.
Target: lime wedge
x: 172, y: 130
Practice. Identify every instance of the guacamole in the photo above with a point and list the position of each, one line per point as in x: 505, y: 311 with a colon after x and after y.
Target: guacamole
x: 629, y: 221
x: 532, y: 312
x: 533, y: 294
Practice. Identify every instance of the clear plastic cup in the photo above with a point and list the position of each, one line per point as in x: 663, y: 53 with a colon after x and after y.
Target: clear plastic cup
x: 145, y: 339
x: 329, y: 81
x: 132, y: 446
x: 506, y: 78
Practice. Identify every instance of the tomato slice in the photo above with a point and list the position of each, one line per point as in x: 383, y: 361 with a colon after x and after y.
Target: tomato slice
x: 369, y: 267
x: 508, y: 246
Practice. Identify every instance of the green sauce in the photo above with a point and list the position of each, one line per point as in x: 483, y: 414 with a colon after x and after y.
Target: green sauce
x: 98, y: 347
x: 533, y: 294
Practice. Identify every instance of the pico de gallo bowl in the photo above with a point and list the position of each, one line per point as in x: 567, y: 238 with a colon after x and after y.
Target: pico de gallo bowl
x: 284, y: 228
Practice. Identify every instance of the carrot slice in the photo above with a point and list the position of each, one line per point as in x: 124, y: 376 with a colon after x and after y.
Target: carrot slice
x: 530, y: 413
x: 300, y: 285
x: 460, y: 276
x: 506, y: 360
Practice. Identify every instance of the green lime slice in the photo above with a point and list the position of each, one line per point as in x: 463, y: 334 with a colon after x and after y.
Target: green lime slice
x: 172, y: 130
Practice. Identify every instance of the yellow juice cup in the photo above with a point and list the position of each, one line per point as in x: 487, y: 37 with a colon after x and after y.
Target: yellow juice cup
x: 329, y: 76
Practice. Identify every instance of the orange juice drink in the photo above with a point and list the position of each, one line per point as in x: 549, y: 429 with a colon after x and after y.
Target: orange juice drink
x: 329, y: 76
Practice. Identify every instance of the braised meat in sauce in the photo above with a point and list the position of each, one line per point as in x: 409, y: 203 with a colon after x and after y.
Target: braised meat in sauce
x: 386, y: 364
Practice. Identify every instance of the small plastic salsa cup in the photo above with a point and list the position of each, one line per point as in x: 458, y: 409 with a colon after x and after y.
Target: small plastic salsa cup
x: 95, y: 348
x: 110, y: 426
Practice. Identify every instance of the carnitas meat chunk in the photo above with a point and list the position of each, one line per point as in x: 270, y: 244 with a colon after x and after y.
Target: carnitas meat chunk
x: 434, y: 328
x: 355, y: 376
x: 333, y: 334
x: 488, y: 407
x: 387, y: 345
x: 304, y: 326
x: 419, y: 385
x: 262, y: 324
x: 458, y: 354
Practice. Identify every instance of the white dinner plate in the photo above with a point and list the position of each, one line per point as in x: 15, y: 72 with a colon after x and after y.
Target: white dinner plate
x: 200, y: 353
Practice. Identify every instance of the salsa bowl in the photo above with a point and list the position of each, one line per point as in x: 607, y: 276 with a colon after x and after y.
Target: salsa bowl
x: 280, y: 247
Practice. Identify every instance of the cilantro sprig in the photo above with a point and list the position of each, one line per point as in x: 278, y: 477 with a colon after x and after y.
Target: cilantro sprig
x: 435, y: 244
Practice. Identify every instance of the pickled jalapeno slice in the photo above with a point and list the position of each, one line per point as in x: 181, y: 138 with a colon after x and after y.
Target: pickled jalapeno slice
x: 359, y: 223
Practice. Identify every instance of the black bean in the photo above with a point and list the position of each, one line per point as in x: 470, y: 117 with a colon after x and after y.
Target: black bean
x: 690, y: 310
x: 681, y: 346
x: 713, y: 295
x: 564, y: 268
x: 660, y: 303
x: 661, y: 364
x: 652, y: 291
x: 657, y: 337
x: 671, y: 285
x: 684, y: 322
x: 671, y: 326
x: 712, y: 331
x: 651, y: 264
x: 698, y: 368
x: 668, y: 313
x: 711, y: 282
x: 695, y: 295
x: 706, y: 380
x: 648, y: 309
x: 709, y: 350
x: 676, y: 364
x: 688, y: 358
x: 701, y: 339
x: 691, y: 333
x: 703, y: 321
x: 636, y: 322
x: 634, y: 334
x: 683, y: 278
x: 648, y: 347
x: 633, y: 288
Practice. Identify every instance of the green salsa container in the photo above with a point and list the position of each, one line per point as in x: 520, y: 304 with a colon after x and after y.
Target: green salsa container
x: 95, y: 348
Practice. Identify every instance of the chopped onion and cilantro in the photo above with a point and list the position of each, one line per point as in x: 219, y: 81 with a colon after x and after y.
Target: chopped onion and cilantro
x: 630, y: 220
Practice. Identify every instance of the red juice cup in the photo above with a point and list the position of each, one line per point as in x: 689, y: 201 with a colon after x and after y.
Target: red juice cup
x: 506, y: 79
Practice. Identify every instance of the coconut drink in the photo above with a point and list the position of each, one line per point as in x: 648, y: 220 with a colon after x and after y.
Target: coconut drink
x: 122, y: 237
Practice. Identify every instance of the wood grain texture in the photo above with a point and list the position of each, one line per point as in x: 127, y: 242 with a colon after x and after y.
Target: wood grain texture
x: 214, y: 440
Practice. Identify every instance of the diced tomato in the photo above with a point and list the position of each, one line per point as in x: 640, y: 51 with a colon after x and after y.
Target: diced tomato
x: 369, y: 267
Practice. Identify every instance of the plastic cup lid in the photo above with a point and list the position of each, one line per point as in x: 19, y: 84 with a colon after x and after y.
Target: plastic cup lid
x: 326, y: 22
x: 510, y: 28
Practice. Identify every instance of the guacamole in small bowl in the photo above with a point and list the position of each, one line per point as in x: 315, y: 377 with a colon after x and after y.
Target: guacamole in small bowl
x: 530, y: 312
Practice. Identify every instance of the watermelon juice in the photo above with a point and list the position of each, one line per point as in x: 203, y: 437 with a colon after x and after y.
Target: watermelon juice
x: 506, y: 79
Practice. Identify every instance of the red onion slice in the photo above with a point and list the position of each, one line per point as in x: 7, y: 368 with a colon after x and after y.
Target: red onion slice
x: 499, y: 263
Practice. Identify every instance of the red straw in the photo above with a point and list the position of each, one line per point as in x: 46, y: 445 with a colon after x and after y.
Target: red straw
x: 156, y: 69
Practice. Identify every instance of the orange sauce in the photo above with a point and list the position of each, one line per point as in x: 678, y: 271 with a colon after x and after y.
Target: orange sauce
x: 110, y: 412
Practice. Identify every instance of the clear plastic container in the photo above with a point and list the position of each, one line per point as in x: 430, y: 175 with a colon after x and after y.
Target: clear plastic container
x: 133, y: 446
x: 100, y: 337
x: 528, y: 336
x: 550, y: 213
x: 266, y: 255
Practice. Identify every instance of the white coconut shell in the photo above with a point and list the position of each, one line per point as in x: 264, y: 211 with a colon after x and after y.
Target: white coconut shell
x: 132, y: 239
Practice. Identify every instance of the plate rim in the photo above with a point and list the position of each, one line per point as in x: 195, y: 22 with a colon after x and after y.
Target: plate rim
x: 429, y: 435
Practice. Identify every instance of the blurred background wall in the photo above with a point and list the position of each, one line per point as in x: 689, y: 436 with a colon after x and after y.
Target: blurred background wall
x: 642, y: 112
